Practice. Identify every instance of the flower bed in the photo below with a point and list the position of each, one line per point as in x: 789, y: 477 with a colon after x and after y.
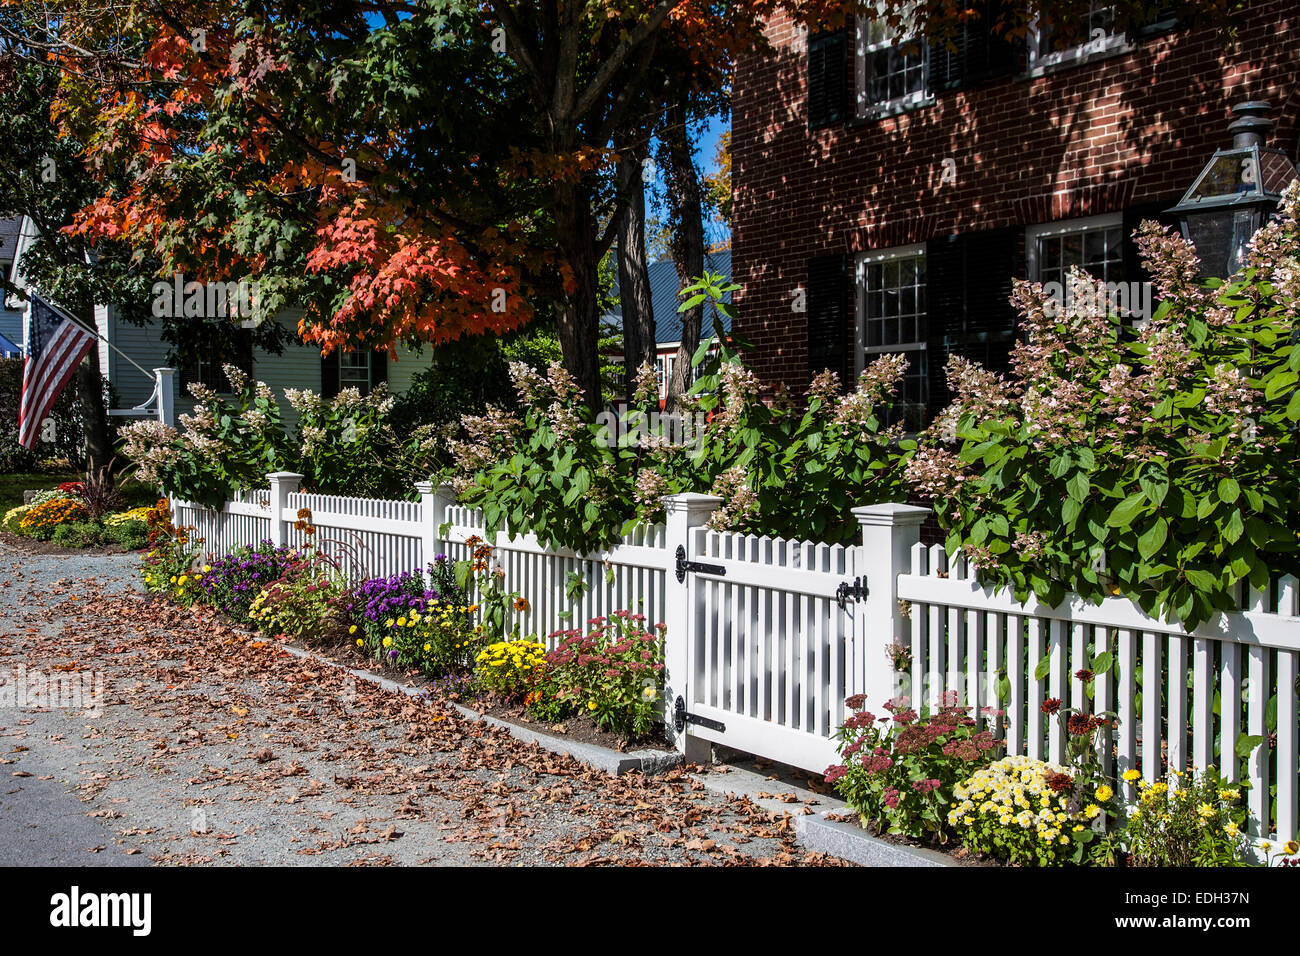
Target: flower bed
x: 937, y: 779
x: 603, y: 685
x: 79, y: 514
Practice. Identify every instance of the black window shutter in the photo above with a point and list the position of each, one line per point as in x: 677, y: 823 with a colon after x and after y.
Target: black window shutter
x: 945, y: 290
x: 378, y: 368
x: 968, y: 288
x: 1134, y: 271
x: 827, y: 77
x: 945, y: 70
x: 992, y: 263
x: 329, y: 374
x: 829, y: 316
x: 979, y: 53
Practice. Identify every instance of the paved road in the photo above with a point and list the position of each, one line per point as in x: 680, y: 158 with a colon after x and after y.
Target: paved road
x: 214, y: 748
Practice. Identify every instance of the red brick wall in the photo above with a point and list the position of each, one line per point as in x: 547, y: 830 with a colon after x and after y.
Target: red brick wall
x: 1081, y: 140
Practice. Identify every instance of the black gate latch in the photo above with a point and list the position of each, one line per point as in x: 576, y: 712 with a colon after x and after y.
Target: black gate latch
x: 695, y: 567
x: 681, y: 718
x: 857, y: 589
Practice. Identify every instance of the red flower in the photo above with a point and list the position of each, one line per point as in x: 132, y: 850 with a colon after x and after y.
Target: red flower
x: 1051, y: 705
x: 1057, y: 782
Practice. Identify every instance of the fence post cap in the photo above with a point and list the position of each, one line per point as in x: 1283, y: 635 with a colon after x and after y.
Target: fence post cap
x: 890, y: 513
x: 284, y: 475
x: 424, y: 487
x: 691, y: 501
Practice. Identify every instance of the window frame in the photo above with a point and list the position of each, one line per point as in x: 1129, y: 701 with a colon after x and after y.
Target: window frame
x: 369, y: 370
x: 1063, y: 227
x: 909, y: 101
x: 1114, y: 43
x: 860, y: 348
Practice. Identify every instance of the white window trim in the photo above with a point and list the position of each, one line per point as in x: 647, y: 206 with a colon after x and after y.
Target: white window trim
x: 860, y: 348
x: 1059, y: 228
x: 900, y: 104
x: 1090, y: 49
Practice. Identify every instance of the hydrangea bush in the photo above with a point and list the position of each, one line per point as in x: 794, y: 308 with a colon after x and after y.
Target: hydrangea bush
x: 788, y: 469
x: 1160, y: 463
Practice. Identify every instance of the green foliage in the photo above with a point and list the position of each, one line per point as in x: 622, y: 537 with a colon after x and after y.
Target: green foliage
x: 131, y: 535
x: 788, y: 471
x: 556, y: 474
x: 228, y: 445
x: 80, y: 534
x: 1189, y: 820
x: 346, y: 445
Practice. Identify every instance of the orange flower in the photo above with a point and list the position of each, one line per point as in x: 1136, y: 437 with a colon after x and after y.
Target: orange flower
x: 521, y: 604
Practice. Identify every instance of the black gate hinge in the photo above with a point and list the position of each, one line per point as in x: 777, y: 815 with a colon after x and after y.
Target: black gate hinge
x: 695, y: 567
x: 681, y: 718
x: 856, y: 589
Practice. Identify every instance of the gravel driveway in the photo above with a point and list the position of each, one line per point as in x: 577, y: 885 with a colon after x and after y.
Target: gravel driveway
x: 213, y: 747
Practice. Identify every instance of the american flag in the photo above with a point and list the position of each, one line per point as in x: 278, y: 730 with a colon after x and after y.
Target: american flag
x: 55, y: 346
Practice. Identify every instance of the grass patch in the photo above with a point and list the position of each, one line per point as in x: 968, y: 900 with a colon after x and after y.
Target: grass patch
x: 12, y: 486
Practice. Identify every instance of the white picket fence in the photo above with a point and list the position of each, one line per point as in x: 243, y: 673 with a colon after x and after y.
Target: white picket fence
x: 767, y: 637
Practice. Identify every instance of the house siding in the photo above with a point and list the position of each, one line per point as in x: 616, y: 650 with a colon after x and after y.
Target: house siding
x: 298, y: 366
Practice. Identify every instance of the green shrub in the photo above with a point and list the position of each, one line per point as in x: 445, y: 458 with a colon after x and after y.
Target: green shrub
x: 79, y: 534
x: 132, y: 535
x: 782, y: 470
x: 346, y: 445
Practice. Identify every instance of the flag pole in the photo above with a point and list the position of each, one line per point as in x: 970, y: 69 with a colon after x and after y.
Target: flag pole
x: 92, y: 331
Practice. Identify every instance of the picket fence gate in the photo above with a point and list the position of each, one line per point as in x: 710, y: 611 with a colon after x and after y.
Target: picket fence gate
x: 767, y: 637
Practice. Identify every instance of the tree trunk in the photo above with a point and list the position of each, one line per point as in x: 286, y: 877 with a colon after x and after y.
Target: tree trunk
x: 633, y: 269
x: 576, y: 314
x: 687, y: 242
x: 94, y: 417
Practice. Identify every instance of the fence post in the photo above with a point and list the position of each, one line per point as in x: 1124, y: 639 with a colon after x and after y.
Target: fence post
x: 283, y: 484
x: 434, y: 502
x: 888, y: 533
x: 684, y: 512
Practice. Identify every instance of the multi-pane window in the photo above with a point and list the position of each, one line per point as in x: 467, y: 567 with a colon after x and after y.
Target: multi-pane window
x: 892, y: 318
x: 1098, y: 248
x: 1094, y: 32
x: 891, y: 68
x: 354, y: 370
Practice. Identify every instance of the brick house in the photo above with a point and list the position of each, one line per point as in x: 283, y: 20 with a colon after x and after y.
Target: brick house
x: 888, y: 189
